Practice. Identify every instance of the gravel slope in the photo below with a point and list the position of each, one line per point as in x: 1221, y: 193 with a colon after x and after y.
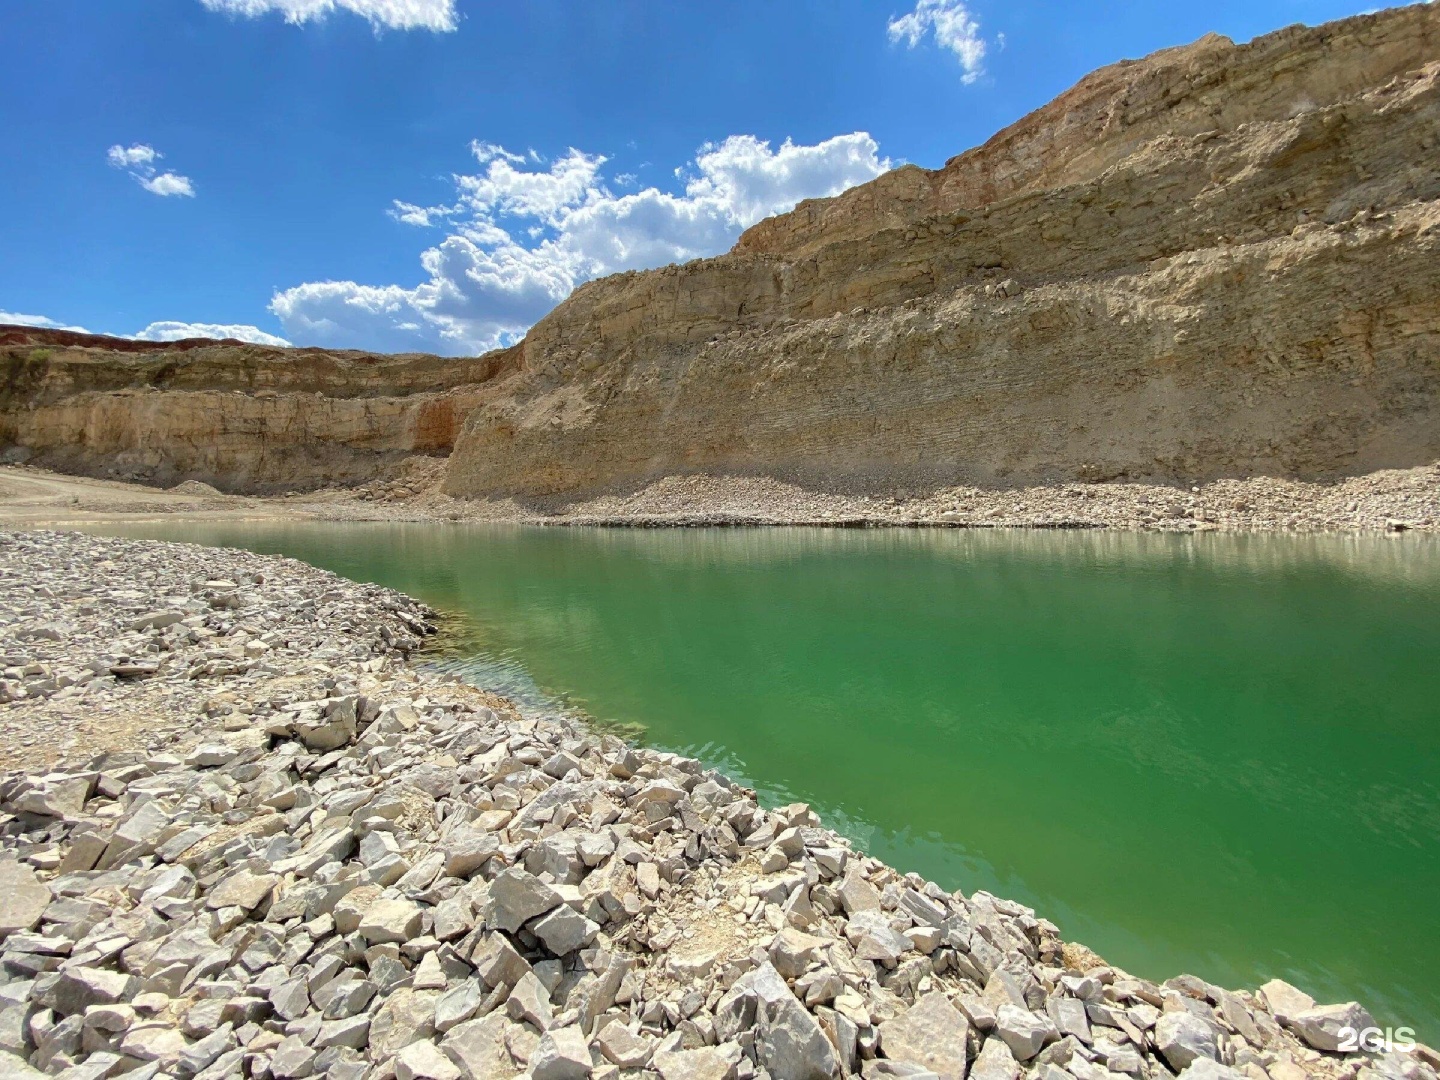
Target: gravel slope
x: 247, y: 838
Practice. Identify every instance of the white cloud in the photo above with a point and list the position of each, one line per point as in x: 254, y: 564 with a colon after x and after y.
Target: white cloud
x: 168, y: 183
x: 505, y: 189
x: 436, y: 15
x: 14, y: 318
x: 132, y: 157
x: 178, y: 331
x: 522, y: 233
x: 954, y: 28
x: 139, y: 161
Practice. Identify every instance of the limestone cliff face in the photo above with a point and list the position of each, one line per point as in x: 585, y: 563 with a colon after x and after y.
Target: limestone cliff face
x: 241, y: 417
x: 1217, y: 261
x: 1220, y: 260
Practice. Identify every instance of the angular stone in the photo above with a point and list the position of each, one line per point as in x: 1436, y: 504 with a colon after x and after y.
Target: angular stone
x: 1069, y: 1017
x: 478, y: 1047
x: 199, y: 1055
x: 564, y: 930
x: 563, y: 1054
x: 497, y: 962
x: 210, y: 756
x: 1285, y: 1001
x: 530, y: 1001
x: 154, y: 1042
x: 791, y: 1043
x: 290, y: 999
x: 623, y: 1047
x: 467, y: 850
x: 516, y: 897
x: 157, y: 620
x: 978, y: 1011
x: 995, y: 1062
x: 428, y: 974
x: 292, y: 1059
x: 459, y: 1004
x: 333, y: 728
x: 1322, y: 1026
x: 242, y: 889
x: 857, y: 894
x: 1181, y: 1038
x: 424, y: 1061
x: 870, y: 932
x: 351, y: 1031
x: 80, y: 987
x: 23, y: 899
x: 931, y: 1033
x: 406, y: 1017
x: 792, y: 951
x: 390, y: 921
x: 1024, y: 1032
x: 453, y: 918
x: 703, y: 1063
x: 59, y: 796
x: 351, y: 907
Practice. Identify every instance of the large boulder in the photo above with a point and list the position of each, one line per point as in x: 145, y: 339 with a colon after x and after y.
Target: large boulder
x: 790, y: 1042
x: 1181, y: 1038
x: 1331, y: 1027
x: 931, y: 1033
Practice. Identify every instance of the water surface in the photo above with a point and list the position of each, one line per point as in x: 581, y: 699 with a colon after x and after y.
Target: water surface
x: 1213, y: 754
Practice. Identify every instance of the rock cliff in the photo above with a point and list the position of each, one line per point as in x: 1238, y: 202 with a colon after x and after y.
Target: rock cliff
x: 242, y: 417
x: 1220, y: 260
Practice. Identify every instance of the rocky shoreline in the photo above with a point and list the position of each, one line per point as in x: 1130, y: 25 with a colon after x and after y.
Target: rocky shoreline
x: 1399, y: 500
x: 242, y: 834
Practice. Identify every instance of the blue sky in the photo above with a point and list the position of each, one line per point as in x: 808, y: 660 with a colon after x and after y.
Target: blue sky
x: 436, y: 174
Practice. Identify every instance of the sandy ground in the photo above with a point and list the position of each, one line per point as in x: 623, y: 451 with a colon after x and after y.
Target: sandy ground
x: 1393, y: 500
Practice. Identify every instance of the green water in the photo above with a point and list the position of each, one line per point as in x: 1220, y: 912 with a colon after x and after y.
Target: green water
x: 1195, y: 753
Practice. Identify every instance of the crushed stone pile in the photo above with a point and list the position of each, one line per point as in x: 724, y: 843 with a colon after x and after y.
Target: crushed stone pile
x: 383, y: 874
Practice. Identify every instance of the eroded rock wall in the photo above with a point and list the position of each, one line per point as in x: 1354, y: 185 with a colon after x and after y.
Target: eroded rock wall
x: 1217, y: 261
x: 241, y: 417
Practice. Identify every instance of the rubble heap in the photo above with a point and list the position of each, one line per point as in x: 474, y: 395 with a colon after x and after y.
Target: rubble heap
x: 400, y: 877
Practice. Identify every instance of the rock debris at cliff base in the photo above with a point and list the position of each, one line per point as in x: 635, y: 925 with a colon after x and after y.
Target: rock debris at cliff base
x: 306, y: 857
x: 1398, y: 500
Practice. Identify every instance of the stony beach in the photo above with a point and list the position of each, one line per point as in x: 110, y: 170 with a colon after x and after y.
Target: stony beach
x: 1397, y: 500
x: 246, y: 832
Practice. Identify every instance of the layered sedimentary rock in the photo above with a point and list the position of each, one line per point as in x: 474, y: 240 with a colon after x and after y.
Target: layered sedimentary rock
x: 242, y: 417
x: 1218, y: 261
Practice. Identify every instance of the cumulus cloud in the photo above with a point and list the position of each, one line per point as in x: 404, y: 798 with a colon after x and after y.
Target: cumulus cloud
x: 14, y: 318
x: 139, y: 161
x: 523, y: 232
x: 436, y: 15
x: 953, y: 28
x: 138, y: 156
x: 168, y: 183
x: 178, y: 331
